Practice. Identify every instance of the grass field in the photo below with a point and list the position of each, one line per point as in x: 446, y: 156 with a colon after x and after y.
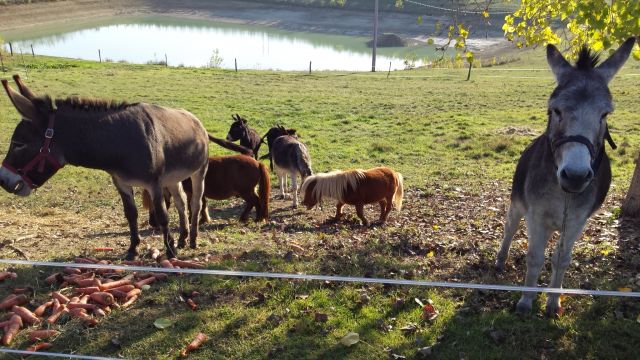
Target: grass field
x: 456, y: 142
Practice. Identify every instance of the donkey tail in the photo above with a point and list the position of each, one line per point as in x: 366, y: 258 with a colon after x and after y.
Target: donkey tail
x: 264, y: 188
x: 231, y: 146
x: 399, y: 194
x: 303, y: 161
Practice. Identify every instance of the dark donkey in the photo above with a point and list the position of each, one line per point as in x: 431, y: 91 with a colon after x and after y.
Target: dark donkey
x: 137, y: 144
x: 563, y: 177
x: 248, y: 137
x: 288, y: 155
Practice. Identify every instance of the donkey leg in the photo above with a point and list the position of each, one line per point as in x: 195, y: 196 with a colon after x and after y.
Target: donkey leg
x: 514, y: 215
x: 282, y: 179
x: 539, y: 235
x: 160, y: 211
x: 559, y: 262
x: 131, y: 213
x: 360, y: 212
x: 181, y: 199
x: 197, y: 190
x: 294, y: 189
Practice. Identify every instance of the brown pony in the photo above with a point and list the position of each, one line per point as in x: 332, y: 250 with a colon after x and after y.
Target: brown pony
x: 227, y: 176
x: 356, y: 187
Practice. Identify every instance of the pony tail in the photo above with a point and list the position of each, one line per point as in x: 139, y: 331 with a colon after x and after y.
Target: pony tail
x: 264, y: 188
x: 399, y: 194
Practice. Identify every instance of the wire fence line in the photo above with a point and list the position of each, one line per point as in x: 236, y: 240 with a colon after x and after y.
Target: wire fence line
x: 331, y: 278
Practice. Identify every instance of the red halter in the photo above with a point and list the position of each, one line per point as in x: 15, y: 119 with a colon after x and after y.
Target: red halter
x: 39, y: 159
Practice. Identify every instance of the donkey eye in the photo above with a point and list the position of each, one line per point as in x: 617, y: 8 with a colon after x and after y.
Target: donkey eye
x: 558, y: 114
x: 604, y: 116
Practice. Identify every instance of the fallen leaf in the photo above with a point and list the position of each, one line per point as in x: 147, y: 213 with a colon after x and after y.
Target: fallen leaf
x: 431, y: 254
x: 162, y: 323
x: 625, y: 289
x: 350, y: 339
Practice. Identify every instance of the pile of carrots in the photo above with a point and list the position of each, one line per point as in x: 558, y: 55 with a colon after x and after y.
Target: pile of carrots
x: 85, y: 294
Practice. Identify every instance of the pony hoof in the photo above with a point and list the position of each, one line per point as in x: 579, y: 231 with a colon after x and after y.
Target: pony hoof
x: 554, y: 312
x: 131, y: 255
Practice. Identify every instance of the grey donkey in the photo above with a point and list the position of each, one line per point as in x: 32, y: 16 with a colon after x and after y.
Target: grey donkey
x: 563, y: 177
x: 288, y: 155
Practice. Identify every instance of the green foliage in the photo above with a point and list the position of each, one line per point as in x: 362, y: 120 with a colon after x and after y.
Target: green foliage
x: 597, y: 23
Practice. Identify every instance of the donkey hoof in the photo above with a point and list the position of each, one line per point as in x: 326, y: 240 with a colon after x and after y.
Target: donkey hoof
x: 182, y: 243
x: 131, y: 255
x: 499, y: 266
x: 523, y: 308
x: 192, y: 244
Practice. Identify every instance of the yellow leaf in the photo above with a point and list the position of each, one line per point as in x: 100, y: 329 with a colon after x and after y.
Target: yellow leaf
x: 485, y: 14
x: 625, y: 289
x: 431, y: 254
x: 605, y: 252
x: 563, y: 297
x: 436, y: 227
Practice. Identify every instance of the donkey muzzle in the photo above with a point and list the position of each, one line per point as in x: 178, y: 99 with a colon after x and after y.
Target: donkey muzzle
x: 575, y: 179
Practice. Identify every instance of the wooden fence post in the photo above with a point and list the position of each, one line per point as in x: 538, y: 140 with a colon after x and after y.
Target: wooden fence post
x: 32, y: 52
x: 166, y: 62
x: 11, y: 48
x: 99, y: 55
x: 235, y: 60
x: 309, y: 67
x: 389, y: 73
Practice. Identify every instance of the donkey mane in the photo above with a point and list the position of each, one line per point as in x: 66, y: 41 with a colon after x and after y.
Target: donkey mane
x: 587, y: 59
x: 87, y: 104
x: 333, y: 184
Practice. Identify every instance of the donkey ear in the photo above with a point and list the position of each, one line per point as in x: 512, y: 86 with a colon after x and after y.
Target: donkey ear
x: 611, y: 66
x: 24, y: 90
x: 24, y: 106
x: 559, y: 65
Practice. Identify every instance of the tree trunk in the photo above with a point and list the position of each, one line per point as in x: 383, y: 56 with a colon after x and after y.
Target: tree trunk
x: 631, y: 204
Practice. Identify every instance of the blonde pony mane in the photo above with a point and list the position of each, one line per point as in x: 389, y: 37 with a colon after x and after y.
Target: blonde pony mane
x: 333, y: 185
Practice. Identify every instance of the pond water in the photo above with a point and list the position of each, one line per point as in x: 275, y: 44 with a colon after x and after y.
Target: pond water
x: 200, y: 43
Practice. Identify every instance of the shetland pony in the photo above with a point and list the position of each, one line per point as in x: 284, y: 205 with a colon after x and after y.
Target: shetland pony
x: 227, y: 176
x: 248, y: 137
x: 288, y: 155
x: 563, y: 176
x: 356, y: 187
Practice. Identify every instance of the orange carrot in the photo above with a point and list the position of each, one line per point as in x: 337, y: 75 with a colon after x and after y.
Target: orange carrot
x: 144, y: 282
x: 39, y: 311
x: 82, y: 314
x: 103, y: 249
x: 77, y: 305
x: 192, y: 304
x: 61, y: 298
x: 56, y: 315
x: 88, y: 282
x: 13, y: 300
x: 11, y: 330
x: 114, y: 284
x: 195, y: 344
x: 133, y: 262
x: 4, y: 275
x: 85, y: 260
x: 117, y: 294
x: 26, y: 315
x: 41, y: 346
x: 36, y: 335
x: 53, y: 278
x: 24, y: 290
x: 102, y: 298
x: 166, y: 264
x: 72, y: 271
x: 186, y: 264
x: 84, y: 299
x: 130, y: 301
x: 132, y: 293
x: 160, y: 277
x: 99, y: 312
x: 123, y: 288
x: 87, y: 290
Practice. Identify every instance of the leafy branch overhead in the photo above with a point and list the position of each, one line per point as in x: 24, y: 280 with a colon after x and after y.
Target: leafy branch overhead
x: 599, y: 24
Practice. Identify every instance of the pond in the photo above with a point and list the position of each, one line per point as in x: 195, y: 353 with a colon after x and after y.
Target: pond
x: 201, y: 43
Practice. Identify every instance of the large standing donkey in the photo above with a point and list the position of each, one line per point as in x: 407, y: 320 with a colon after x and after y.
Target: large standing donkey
x: 563, y: 177
x: 137, y: 144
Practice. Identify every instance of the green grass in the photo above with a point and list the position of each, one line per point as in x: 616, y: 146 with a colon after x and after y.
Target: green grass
x: 456, y: 142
